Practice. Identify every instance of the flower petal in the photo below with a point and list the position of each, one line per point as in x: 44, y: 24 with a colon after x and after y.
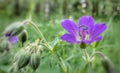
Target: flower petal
x: 98, y: 38
x: 69, y: 38
x: 98, y: 29
x: 88, y: 21
x: 13, y: 39
x: 93, y: 40
x: 87, y: 41
x: 69, y: 25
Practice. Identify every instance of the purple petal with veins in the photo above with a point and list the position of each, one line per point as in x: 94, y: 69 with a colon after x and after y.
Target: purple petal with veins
x: 98, y: 29
x: 69, y: 25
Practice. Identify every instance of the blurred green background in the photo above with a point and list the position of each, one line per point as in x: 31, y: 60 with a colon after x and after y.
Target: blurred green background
x: 47, y: 14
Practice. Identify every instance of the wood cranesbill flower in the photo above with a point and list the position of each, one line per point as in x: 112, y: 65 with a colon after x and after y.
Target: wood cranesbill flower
x: 86, y: 31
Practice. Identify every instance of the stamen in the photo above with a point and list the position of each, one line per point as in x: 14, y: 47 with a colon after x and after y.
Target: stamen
x: 83, y: 33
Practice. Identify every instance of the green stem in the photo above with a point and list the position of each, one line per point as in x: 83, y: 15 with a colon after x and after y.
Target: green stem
x: 85, y: 54
x: 40, y: 34
x: 45, y: 45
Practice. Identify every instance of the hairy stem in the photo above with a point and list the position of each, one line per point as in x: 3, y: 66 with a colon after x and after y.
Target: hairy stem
x: 40, y: 34
x: 85, y: 54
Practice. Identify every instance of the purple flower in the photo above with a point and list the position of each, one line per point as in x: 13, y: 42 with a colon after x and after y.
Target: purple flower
x: 86, y: 31
x: 11, y: 39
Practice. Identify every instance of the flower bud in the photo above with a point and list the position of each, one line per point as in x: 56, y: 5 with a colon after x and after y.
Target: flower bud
x: 23, y: 36
x: 14, y: 29
x: 17, y: 30
x: 107, y: 65
x: 35, y: 60
x: 23, y: 59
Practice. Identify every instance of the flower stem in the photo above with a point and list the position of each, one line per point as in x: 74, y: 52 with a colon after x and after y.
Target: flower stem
x: 86, y: 55
x: 40, y: 34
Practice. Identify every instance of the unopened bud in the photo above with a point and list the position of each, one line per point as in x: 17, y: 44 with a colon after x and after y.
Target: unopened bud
x: 17, y: 30
x: 35, y: 60
x: 14, y: 28
x: 23, y: 59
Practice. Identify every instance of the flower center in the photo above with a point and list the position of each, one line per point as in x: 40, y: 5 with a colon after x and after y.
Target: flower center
x: 83, y: 32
